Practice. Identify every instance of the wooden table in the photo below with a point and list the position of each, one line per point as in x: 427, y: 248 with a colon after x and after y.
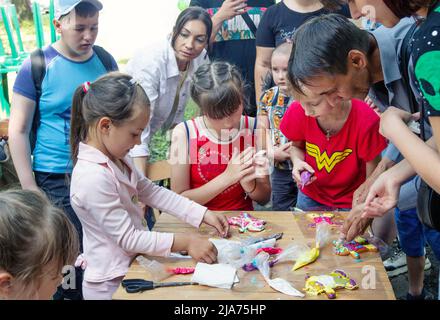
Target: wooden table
x: 252, y: 286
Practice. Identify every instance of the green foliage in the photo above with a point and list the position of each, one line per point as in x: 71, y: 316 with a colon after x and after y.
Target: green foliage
x: 160, y: 143
x: 24, y: 9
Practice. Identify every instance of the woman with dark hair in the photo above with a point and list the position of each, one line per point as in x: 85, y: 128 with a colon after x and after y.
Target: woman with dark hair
x: 164, y: 70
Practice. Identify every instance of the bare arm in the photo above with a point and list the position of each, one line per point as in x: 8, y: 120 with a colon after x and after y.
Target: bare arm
x: 371, y: 165
x: 423, y: 157
x: 180, y: 172
x: 261, y: 193
x: 297, y: 151
x: 360, y: 194
x: 263, y: 133
x: 262, y: 68
x: 228, y: 10
x: 22, y: 113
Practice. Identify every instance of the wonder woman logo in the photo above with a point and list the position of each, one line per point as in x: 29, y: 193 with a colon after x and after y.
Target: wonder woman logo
x: 323, y: 160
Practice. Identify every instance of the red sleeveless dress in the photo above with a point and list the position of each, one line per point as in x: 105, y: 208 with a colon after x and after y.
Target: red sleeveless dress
x: 209, y: 160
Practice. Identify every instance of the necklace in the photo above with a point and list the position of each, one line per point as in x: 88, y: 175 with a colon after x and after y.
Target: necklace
x: 328, y: 135
x: 219, y: 139
x: 330, y: 132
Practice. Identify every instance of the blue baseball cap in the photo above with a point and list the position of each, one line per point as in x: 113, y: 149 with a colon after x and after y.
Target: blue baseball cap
x: 63, y: 7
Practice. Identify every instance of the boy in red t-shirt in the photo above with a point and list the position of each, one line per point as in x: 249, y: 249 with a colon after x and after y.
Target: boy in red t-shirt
x: 339, y: 145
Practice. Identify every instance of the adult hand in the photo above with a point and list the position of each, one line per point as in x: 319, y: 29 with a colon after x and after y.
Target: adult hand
x: 232, y: 8
x: 360, y: 195
x: 355, y: 225
x: 382, y: 197
x: 218, y: 221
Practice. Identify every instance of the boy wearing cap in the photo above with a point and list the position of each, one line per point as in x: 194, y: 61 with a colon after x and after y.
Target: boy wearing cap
x: 45, y: 87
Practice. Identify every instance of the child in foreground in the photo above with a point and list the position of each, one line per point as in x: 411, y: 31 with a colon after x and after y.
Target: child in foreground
x: 36, y: 241
x: 108, y: 117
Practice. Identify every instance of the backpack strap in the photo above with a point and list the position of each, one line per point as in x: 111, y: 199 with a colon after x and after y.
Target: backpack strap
x: 38, y: 69
x: 250, y: 23
x: 405, y: 55
x: 187, y: 135
x: 105, y: 58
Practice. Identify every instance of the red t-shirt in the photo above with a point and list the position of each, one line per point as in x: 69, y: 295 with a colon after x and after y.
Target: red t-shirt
x: 340, y: 162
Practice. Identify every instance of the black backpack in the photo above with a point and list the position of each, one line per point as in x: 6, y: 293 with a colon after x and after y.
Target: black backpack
x: 38, y: 68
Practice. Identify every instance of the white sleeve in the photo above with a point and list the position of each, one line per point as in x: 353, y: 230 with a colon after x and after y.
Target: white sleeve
x: 143, y: 69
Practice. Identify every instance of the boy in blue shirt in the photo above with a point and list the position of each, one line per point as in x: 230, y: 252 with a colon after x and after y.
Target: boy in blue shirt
x: 69, y: 62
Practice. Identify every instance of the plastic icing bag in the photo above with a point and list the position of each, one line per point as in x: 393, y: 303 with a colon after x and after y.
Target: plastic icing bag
x: 322, y: 238
x: 379, y: 244
x: 306, y: 258
x: 323, y: 234
x: 157, y: 270
x: 305, y: 177
x: 236, y: 254
x: 278, y: 284
x: 292, y: 253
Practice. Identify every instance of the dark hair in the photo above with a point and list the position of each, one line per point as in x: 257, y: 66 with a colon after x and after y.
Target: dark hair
x: 84, y: 10
x: 113, y: 95
x: 189, y: 14
x: 321, y: 46
x: 332, y: 4
x: 33, y: 234
x: 406, y: 8
x: 401, y: 8
x: 217, y: 88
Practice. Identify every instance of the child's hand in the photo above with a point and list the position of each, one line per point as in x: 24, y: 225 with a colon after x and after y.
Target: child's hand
x: 282, y: 153
x: 217, y: 221
x: 201, y: 249
x: 261, y: 168
x: 261, y: 164
x: 240, y: 165
x: 300, y: 166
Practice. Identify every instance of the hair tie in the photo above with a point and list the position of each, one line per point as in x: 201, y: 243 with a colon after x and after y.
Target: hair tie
x: 86, y: 86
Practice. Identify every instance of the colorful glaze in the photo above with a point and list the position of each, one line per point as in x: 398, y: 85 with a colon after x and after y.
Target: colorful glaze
x: 322, y: 217
x: 270, y: 250
x: 353, y: 248
x: 181, y: 270
x: 306, y: 258
x: 328, y: 284
x: 246, y: 222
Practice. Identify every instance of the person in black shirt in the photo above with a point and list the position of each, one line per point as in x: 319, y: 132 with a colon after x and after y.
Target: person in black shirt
x: 278, y: 26
x: 233, y: 40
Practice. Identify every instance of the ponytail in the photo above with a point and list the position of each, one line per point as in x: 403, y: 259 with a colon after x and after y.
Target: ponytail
x: 78, y: 126
x: 114, y: 95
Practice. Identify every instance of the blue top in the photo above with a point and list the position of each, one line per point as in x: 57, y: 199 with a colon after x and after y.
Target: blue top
x: 63, y: 76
